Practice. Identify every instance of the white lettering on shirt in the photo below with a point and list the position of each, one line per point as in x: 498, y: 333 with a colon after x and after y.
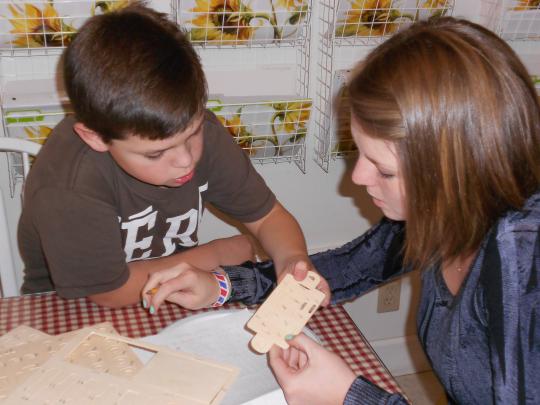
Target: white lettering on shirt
x: 132, y: 229
x: 185, y: 237
x: 145, y: 220
x: 193, y: 217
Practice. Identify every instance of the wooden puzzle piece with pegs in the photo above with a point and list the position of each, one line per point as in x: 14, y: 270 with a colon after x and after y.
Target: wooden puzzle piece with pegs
x: 285, y: 312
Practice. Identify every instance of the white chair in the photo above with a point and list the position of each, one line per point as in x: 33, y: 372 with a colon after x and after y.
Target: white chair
x: 10, y: 277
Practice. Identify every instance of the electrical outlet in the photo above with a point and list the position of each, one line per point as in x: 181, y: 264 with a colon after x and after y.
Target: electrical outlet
x: 389, y: 295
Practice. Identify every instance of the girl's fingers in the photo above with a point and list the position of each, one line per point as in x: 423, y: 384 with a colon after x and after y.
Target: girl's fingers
x: 293, y: 358
x: 278, y: 364
x: 302, y: 360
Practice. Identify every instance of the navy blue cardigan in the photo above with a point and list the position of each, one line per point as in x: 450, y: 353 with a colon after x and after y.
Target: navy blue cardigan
x: 483, y: 343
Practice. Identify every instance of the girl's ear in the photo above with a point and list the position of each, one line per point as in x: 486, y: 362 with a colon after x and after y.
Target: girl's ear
x: 90, y: 137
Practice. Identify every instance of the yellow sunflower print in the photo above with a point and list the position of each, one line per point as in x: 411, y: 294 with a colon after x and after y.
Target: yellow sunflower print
x: 35, y: 28
x: 527, y: 5
x: 368, y: 18
x: 111, y: 5
x: 238, y: 131
x: 293, y: 116
x: 225, y: 21
x: 39, y: 134
x: 439, y: 7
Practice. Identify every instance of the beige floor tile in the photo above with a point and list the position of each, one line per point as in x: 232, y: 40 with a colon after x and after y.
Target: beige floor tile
x: 422, y: 388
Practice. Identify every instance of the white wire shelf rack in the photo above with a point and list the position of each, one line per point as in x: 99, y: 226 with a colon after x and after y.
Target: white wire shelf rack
x: 271, y: 128
x: 342, y: 144
x: 44, y: 27
x: 367, y: 22
x: 245, y: 23
x: 337, y: 141
x: 349, y: 28
x: 517, y: 20
x: 262, y: 78
x: 269, y: 131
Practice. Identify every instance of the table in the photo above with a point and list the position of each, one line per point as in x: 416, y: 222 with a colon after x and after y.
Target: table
x: 53, y: 315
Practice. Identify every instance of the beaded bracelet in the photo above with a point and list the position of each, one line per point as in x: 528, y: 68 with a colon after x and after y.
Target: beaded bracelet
x: 224, y: 289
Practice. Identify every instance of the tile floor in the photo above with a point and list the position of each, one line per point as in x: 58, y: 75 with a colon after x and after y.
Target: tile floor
x: 422, y: 388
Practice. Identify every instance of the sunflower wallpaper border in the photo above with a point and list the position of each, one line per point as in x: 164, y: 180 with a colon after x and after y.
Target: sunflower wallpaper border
x: 520, y: 20
x: 218, y: 23
x: 52, y: 24
x: 370, y: 21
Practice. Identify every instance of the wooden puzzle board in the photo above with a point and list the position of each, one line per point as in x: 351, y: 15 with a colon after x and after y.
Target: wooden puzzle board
x: 23, y: 350
x: 106, y: 355
x: 285, y: 312
x: 19, y: 336
x: 168, y: 378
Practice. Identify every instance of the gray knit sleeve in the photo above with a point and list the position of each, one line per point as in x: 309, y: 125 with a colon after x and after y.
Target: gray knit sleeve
x: 364, y: 263
x: 251, y: 282
x: 365, y: 392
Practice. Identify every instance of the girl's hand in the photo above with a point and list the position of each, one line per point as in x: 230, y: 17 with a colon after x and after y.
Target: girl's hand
x: 184, y: 285
x: 310, y: 374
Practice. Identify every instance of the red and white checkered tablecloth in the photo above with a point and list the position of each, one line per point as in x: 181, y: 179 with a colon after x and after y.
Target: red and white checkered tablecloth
x: 53, y: 315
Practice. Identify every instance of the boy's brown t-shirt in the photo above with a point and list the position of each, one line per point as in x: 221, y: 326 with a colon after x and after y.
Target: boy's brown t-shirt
x: 84, y: 218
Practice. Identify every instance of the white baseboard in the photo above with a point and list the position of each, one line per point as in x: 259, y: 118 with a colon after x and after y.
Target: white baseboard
x: 402, y: 355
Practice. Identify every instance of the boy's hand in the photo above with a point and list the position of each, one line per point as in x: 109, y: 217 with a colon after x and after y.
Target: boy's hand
x: 299, y: 269
x: 310, y: 374
x: 184, y: 285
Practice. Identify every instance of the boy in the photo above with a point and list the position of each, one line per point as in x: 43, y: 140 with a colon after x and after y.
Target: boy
x: 126, y: 179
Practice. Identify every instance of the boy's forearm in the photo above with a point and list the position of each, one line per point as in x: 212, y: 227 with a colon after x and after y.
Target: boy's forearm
x: 139, y: 271
x: 220, y: 252
x: 280, y: 236
x: 130, y: 292
x: 225, y: 252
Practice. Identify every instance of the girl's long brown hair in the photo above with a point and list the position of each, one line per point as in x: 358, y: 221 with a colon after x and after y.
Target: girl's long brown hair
x: 465, y: 117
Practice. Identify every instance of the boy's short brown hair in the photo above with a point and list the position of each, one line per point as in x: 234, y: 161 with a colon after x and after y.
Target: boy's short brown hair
x: 133, y: 71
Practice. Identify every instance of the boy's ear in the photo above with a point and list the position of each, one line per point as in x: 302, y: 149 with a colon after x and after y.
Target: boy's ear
x: 90, y: 137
